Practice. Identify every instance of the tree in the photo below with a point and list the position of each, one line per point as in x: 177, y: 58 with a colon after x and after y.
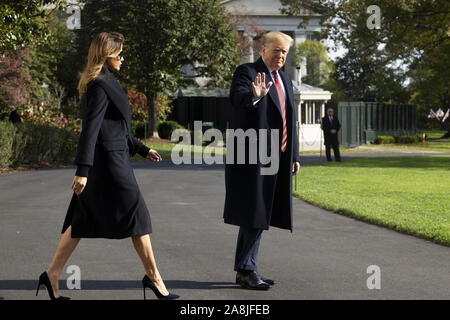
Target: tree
x: 15, y: 81
x: 405, y: 25
x: 23, y: 22
x: 363, y: 73
x: 35, y: 46
x: 377, y: 59
x: 318, y: 65
x: 52, y: 61
x: 162, y: 36
x: 430, y: 83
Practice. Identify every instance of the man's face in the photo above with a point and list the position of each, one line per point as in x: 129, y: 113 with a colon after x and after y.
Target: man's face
x: 330, y: 112
x: 274, y: 54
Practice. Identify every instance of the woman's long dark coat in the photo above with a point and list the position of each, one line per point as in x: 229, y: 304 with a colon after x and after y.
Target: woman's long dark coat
x: 111, y: 205
x: 253, y: 200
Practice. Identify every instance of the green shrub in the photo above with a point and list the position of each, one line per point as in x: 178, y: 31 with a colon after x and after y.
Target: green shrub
x: 384, y: 140
x: 398, y: 139
x: 165, y: 129
x: 138, y: 129
x: 35, y: 144
x: 407, y: 139
x: 7, y: 131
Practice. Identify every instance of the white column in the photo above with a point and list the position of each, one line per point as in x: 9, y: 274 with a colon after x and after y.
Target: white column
x: 248, y: 53
x: 299, y: 37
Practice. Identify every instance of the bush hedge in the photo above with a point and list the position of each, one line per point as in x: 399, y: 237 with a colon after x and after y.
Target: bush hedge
x: 6, y: 143
x: 138, y: 129
x: 165, y: 129
x: 34, y: 144
x: 398, y: 139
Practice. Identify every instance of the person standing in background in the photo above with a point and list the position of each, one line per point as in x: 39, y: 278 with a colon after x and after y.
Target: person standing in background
x: 330, y: 127
x: 14, y: 116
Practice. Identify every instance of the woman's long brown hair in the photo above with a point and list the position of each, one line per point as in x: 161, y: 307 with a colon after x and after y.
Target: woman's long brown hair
x: 104, y: 45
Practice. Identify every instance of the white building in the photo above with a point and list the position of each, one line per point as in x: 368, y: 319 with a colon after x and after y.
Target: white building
x: 258, y: 15
x: 310, y: 102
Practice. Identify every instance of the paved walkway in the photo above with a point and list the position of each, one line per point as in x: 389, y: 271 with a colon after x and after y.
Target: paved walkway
x: 326, y: 257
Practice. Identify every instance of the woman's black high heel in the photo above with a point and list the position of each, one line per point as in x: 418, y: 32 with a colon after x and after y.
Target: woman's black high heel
x: 43, y: 279
x: 147, y: 283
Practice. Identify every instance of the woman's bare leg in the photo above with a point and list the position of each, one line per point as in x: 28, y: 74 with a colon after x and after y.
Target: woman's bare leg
x: 63, y: 252
x: 143, y: 247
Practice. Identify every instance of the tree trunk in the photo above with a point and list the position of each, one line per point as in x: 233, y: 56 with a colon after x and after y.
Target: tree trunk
x: 152, y: 99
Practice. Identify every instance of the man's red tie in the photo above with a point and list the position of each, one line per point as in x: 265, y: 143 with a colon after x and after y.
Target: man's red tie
x: 282, y: 98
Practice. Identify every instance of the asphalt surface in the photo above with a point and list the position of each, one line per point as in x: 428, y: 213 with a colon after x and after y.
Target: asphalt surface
x: 326, y: 257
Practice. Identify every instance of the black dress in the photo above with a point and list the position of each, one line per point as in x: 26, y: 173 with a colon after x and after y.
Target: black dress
x: 111, y: 205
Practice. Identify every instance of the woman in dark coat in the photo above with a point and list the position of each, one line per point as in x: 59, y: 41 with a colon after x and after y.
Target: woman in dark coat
x: 106, y: 202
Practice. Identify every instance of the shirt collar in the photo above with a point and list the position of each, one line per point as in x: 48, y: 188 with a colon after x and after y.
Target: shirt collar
x: 268, y: 68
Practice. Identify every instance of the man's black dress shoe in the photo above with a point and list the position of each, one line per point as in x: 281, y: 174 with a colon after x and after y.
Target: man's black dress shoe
x: 268, y: 281
x: 251, y: 280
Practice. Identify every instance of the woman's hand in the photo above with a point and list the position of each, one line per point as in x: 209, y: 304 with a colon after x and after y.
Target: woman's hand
x: 78, y: 184
x: 153, y: 155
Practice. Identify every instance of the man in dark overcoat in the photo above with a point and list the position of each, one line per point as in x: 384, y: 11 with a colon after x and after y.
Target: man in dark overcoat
x: 330, y: 127
x: 262, y: 98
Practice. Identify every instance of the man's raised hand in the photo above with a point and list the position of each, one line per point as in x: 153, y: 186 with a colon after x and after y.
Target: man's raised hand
x: 260, y: 88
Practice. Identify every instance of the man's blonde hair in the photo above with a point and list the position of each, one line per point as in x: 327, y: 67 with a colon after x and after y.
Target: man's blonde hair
x: 276, y: 36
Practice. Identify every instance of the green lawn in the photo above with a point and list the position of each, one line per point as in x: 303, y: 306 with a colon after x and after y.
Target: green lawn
x: 432, y: 134
x: 164, y: 148
x: 407, y: 194
x: 430, y: 145
x: 442, y: 146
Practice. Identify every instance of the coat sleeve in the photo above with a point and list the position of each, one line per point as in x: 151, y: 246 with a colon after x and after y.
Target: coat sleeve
x: 241, y: 91
x: 92, y: 118
x: 325, y: 125
x: 139, y: 148
x: 338, y: 125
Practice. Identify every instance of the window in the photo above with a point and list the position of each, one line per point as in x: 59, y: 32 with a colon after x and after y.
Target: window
x: 317, y: 109
x: 310, y: 112
x: 312, y: 35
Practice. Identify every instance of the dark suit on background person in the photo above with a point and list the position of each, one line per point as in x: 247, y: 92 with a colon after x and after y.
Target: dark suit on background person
x: 330, y: 123
x: 14, y: 116
x: 254, y: 201
x: 111, y: 205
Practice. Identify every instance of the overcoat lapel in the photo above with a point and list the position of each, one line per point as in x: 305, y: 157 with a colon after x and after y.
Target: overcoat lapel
x: 273, y: 94
x: 288, y: 89
x: 115, y: 92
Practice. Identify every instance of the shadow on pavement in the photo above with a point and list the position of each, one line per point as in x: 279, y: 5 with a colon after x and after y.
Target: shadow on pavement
x: 118, y: 285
